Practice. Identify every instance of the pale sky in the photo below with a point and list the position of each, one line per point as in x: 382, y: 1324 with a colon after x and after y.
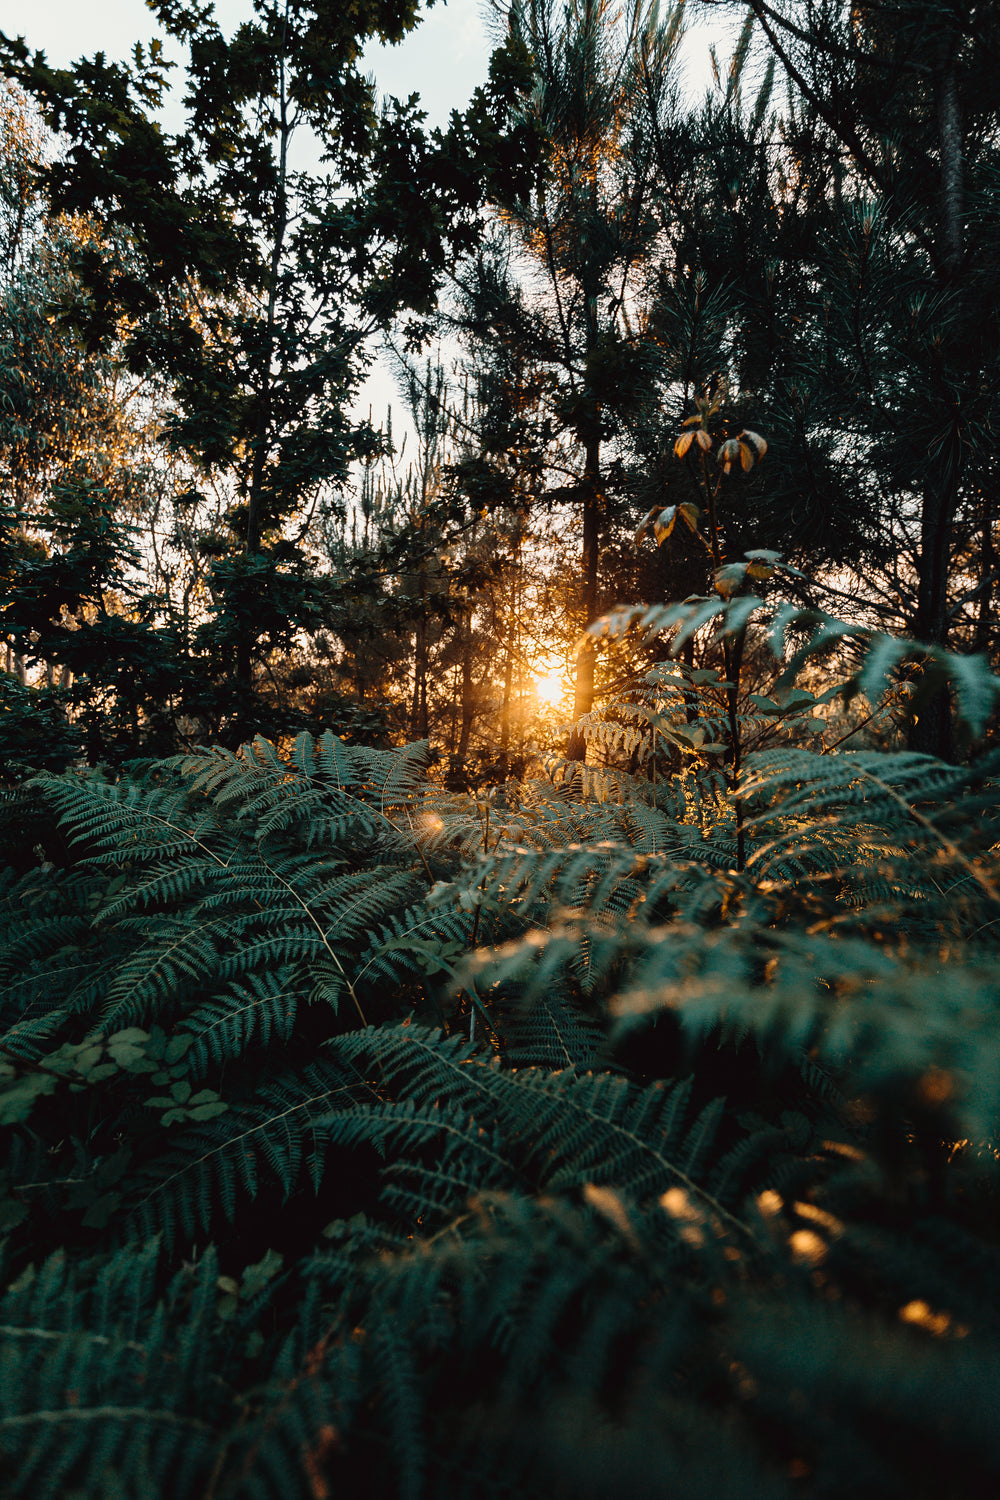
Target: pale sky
x: 443, y: 60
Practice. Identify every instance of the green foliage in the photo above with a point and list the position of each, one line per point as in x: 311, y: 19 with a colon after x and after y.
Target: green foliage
x: 706, y: 1199
x: 629, y: 1130
x: 35, y: 731
x: 233, y: 293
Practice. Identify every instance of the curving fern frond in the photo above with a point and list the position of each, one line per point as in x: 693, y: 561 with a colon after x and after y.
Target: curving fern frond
x: 976, y: 688
x: 248, y: 1014
x: 556, y: 1131
x: 281, y: 1136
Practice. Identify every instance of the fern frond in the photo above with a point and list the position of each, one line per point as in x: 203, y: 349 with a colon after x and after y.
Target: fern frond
x: 562, y: 1129
x: 550, y: 1032
x: 98, y: 1380
x: 207, y: 1168
x: 248, y: 1013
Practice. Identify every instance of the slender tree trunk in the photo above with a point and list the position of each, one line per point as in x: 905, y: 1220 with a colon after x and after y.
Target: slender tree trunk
x: 262, y: 423
x: 932, y: 730
x: 463, y: 706
x: 593, y: 504
x: 418, y: 709
x: 453, y: 717
x: 952, y: 168
x: 503, y: 759
x: 468, y: 703
x: 690, y: 696
x: 510, y: 651
x: 988, y: 561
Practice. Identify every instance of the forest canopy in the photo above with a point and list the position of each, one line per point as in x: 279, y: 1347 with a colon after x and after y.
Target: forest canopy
x: 499, y: 900
x: 203, y: 538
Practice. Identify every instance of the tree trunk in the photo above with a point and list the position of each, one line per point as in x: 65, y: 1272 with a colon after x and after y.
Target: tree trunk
x: 952, y: 168
x: 988, y: 569
x: 246, y: 638
x: 593, y: 504
x: 418, y: 709
x: 503, y: 759
x: 460, y: 775
x: 931, y: 732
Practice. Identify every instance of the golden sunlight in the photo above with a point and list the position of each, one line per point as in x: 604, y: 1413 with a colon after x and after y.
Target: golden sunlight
x: 550, y: 688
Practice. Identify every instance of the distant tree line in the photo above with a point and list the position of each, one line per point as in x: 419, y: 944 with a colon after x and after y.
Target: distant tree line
x: 200, y: 541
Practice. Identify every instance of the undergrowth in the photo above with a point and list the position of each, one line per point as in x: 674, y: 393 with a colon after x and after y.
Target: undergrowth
x: 367, y: 1138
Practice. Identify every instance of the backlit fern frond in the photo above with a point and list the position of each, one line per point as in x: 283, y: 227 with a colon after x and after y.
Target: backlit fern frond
x: 901, y: 828
x: 225, y: 874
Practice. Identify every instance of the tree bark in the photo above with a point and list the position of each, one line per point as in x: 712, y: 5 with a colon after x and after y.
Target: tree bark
x: 262, y: 421
x: 418, y: 710
x: 503, y: 760
x: 931, y: 731
x: 468, y: 702
x: 593, y: 508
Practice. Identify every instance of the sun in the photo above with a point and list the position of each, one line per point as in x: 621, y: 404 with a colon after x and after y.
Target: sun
x: 550, y: 689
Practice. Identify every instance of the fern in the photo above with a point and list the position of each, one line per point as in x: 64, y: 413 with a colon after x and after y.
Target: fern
x: 549, y: 1031
x: 556, y: 1131
x: 248, y: 1014
x: 114, y: 1388
x: 280, y: 1138
x: 725, y: 1133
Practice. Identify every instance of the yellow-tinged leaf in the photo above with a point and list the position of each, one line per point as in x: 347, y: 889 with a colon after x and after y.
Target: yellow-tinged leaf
x: 692, y: 421
x: 759, y: 570
x: 703, y: 439
x: 683, y: 443
x: 746, y: 457
x: 757, y: 443
x: 728, y: 454
x: 664, y: 524
x: 729, y: 578
x: 689, y: 514
x: 645, y: 524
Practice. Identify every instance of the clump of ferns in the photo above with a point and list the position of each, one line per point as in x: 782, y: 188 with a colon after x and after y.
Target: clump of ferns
x: 676, y: 718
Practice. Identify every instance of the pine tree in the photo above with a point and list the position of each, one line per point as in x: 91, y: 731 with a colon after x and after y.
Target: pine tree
x: 581, y: 238
x: 899, y: 100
